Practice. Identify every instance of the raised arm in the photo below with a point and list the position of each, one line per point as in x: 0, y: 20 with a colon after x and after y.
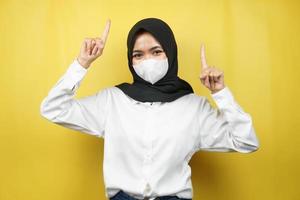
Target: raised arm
x: 85, y: 114
x: 227, y: 128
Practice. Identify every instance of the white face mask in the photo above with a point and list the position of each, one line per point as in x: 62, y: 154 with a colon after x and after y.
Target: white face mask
x: 152, y: 70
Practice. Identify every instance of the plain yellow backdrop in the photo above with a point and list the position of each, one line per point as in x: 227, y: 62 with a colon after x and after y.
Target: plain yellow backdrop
x: 255, y: 42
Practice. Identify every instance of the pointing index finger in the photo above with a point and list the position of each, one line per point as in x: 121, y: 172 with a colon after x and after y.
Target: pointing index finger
x: 203, y: 59
x: 106, y: 31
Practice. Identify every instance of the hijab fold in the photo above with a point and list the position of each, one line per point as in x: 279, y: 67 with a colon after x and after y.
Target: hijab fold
x: 170, y: 87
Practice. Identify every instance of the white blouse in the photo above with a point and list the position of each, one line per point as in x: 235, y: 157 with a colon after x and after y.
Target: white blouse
x: 148, y: 146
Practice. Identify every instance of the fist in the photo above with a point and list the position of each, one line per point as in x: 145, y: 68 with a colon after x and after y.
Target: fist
x: 92, y: 48
x: 211, y: 77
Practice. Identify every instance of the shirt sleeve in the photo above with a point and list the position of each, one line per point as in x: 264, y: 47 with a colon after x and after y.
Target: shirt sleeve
x: 226, y: 128
x: 85, y: 114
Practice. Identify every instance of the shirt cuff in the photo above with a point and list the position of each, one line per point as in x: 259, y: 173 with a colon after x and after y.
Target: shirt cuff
x: 223, y: 97
x: 77, y: 70
x: 74, y: 74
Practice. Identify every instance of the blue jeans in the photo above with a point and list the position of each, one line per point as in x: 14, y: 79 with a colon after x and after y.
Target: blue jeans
x: 121, y: 195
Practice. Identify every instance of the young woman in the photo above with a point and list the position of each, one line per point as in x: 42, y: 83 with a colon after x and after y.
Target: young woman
x: 152, y: 126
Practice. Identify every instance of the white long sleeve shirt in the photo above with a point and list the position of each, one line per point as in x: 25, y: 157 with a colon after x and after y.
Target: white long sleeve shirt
x: 147, y: 146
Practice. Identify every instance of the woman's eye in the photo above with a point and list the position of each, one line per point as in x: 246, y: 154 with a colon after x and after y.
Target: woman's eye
x: 157, y: 52
x: 136, y: 55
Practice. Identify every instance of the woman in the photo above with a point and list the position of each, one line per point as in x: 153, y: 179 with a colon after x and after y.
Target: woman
x: 153, y: 126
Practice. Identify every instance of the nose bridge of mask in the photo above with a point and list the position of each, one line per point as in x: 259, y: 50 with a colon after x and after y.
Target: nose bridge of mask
x: 151, y: 69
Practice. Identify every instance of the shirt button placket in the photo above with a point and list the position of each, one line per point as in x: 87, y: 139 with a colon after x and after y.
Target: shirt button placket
x: 148, y: 153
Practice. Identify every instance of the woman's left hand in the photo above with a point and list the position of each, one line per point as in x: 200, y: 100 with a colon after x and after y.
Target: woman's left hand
x: 211, y: 77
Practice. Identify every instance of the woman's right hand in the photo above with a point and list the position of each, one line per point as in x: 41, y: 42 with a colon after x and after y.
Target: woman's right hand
x: 92, y: 48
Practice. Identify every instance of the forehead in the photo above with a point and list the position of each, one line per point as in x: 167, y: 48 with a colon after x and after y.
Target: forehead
x: 145, y: 40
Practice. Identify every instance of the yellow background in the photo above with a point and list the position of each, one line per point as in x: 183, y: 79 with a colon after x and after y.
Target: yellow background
x: 256, y: 43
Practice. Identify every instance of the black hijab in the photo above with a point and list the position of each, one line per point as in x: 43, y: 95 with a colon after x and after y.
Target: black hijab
x: 168, y: 88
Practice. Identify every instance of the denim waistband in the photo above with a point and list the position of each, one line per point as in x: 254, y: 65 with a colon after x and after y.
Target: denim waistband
x: 121, y: 195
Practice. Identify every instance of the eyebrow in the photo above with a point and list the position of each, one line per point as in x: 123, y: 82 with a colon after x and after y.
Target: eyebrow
x: 155, y: 47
